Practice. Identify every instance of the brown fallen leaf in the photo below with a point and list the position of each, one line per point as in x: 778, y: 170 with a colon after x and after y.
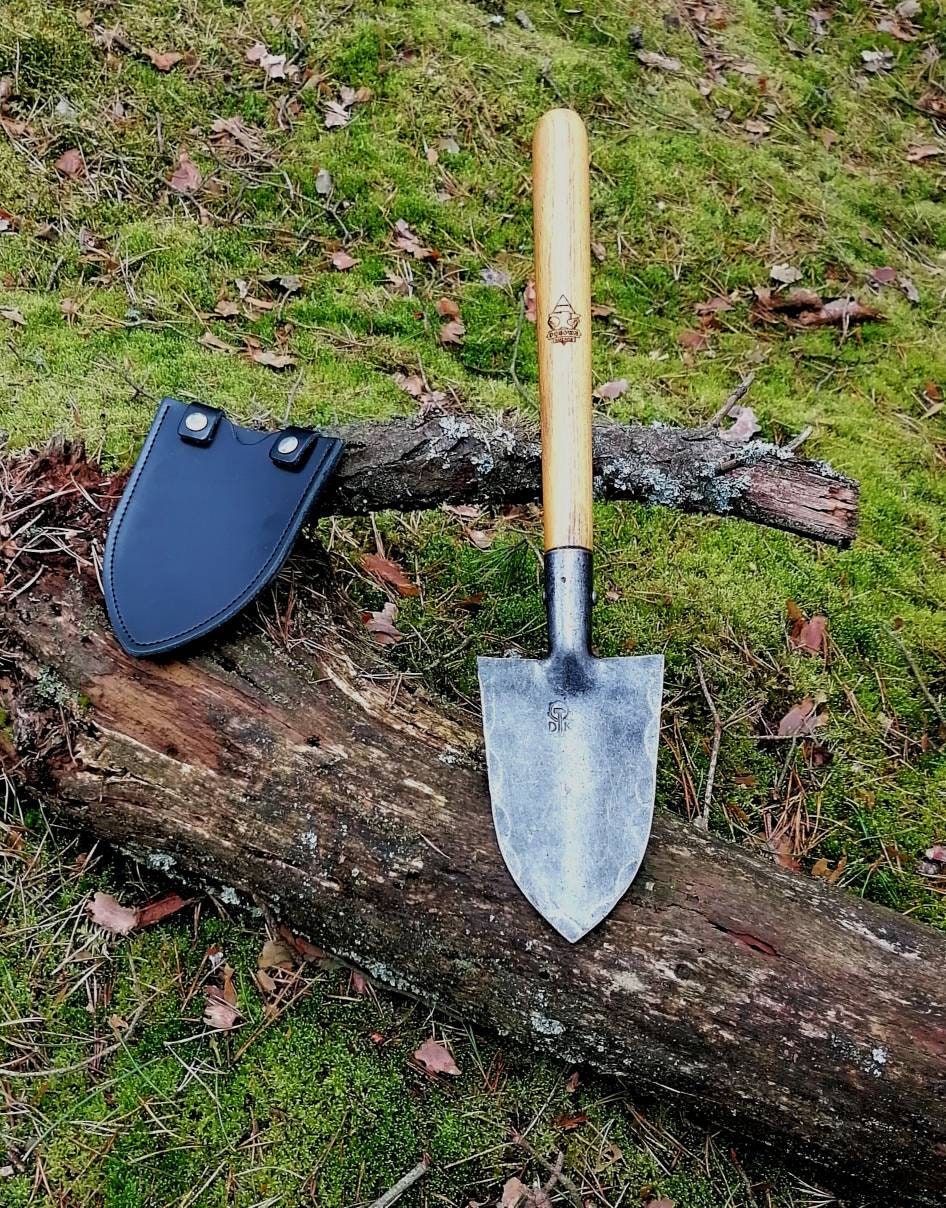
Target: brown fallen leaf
x: 9, y: 222
x: 233, y: 137
x: 163, y: 60
x: 161, y: 908
x: 825, y: 872
x: 359, y: 983
x: 386, y: 571
x: 744, y: 426
x: 650, y: 58
x: 714, y: 306
x: 275, y: 67
x: 756, y: 127
x: 528, y: 301
x: 802, y: 719
x: 381, y: 625
x: 452, y: 333
x: 436, y: 1058
x: 810, y: 636
x: 226, y: 308
x: 13, y: 315
x: 406, y: 241
x: 448, y: 309
x: 924, y: 151
x: 342, y: 262
x: 276, y: 954
x: 71, y: 164
x: 186, y: 177
x: 839, y: 312
x: 568, y: 1123
x: 220, y: 1008
x: 338, y: 113
x: 107, y: 912
x: 272, y: 359
x: 611, y: 390
x: 884, y: 275
x: 209, y: 340
x: 692, y: 340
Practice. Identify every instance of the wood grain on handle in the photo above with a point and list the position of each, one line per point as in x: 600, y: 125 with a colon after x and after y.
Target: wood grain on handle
x: 563, y: 324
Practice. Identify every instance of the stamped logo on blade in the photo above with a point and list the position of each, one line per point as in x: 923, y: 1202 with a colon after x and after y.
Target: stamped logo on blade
x: 558, y: 717
x: 563, y: 322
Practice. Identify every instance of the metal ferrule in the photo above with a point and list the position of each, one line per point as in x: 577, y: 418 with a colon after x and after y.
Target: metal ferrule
x: 568, y: 578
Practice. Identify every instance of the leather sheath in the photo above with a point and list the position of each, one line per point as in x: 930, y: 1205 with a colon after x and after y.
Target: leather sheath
x: 207, y: 518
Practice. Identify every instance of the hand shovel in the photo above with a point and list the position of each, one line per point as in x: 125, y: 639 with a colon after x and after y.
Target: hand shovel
x: 571, y: 740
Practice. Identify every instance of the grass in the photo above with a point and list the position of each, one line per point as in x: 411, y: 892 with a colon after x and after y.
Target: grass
x: 687, y: 203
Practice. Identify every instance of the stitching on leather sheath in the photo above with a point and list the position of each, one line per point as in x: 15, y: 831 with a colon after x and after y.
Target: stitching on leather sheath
x: 243, y: 595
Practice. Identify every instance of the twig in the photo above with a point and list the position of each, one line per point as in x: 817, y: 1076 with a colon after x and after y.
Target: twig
x: 702, y: 821
x: 739, y: 393
x: 402, y: 1185
x: 911, y: 663
x: 573, y: 1193
x: 515, y: 348
x: 797, y: 441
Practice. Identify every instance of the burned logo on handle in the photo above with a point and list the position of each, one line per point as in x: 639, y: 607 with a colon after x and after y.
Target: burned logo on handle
x: 563, y: 322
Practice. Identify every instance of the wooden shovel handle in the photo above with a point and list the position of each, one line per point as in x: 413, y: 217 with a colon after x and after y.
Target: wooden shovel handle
x: 563, y: 324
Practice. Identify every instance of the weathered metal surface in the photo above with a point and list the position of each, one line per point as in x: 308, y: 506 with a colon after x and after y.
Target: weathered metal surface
x: 571, y: 749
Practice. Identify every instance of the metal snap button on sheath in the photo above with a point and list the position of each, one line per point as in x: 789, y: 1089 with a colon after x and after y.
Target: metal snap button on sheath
x: 288, y: 444
x: 196, y: 421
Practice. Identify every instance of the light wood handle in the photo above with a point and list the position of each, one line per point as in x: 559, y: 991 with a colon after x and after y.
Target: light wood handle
x: 563, y: 324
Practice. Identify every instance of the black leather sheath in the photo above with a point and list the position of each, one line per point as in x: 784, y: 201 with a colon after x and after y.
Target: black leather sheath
x: 209, y: 515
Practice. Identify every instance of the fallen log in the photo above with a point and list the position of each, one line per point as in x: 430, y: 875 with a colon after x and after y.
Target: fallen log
x: 408, y: 465
x: 272, y: 762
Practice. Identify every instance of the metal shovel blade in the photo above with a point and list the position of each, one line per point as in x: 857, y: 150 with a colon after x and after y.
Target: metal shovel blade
x: 571, y: 750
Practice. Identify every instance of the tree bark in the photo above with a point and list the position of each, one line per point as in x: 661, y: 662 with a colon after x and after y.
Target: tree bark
x: 271, y: 762
x: 408, y: 465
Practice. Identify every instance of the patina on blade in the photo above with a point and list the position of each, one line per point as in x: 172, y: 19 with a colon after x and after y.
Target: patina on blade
x: 571, y: 746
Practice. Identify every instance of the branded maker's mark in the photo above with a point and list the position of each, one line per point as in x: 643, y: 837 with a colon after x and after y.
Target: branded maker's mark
x: 563, y: 322
x: 558, y: 717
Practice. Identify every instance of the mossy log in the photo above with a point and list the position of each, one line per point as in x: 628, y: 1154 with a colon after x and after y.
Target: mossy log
x: 280, y: 761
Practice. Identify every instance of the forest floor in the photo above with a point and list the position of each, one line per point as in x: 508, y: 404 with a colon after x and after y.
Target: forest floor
x: 323, y: 212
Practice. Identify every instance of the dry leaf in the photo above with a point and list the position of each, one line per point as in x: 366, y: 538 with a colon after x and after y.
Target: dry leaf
x: 407, y: 241
x: 498, y: 278
x: 839, y: 312
x: 186, y: 177
x: 651, y: 58
x: 884, y: 276
x: 220, y: 1009
x: 756, y: 126
x: 153, y: 912
x: 916, y: 155
x: 163, y: 61
x: 909, y: 289
x: 107, y: 912
x: 272, y: 359
x: 713, y: 306
x: 448, y: 309
x: 802, y: 719
x: 235, y: 138
x: 436, y: 1058
x: 381, y: 625
x: 610, y: 390
x: 452, y: 333
x: 13, y: 315
x: 528, y: 301
x: 569, y: 1123
x: 809, y: 636
x: 226, y: 308
x: 342, y: 261
x: 209, y: 340
x: 785, y: 274
x: 71, y: 164
x: 744, y: 426
x: 413, y: 383
x: 359, y: 983
x: 389, y: 572
x: 276, y: 954
x: 693, y: 341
